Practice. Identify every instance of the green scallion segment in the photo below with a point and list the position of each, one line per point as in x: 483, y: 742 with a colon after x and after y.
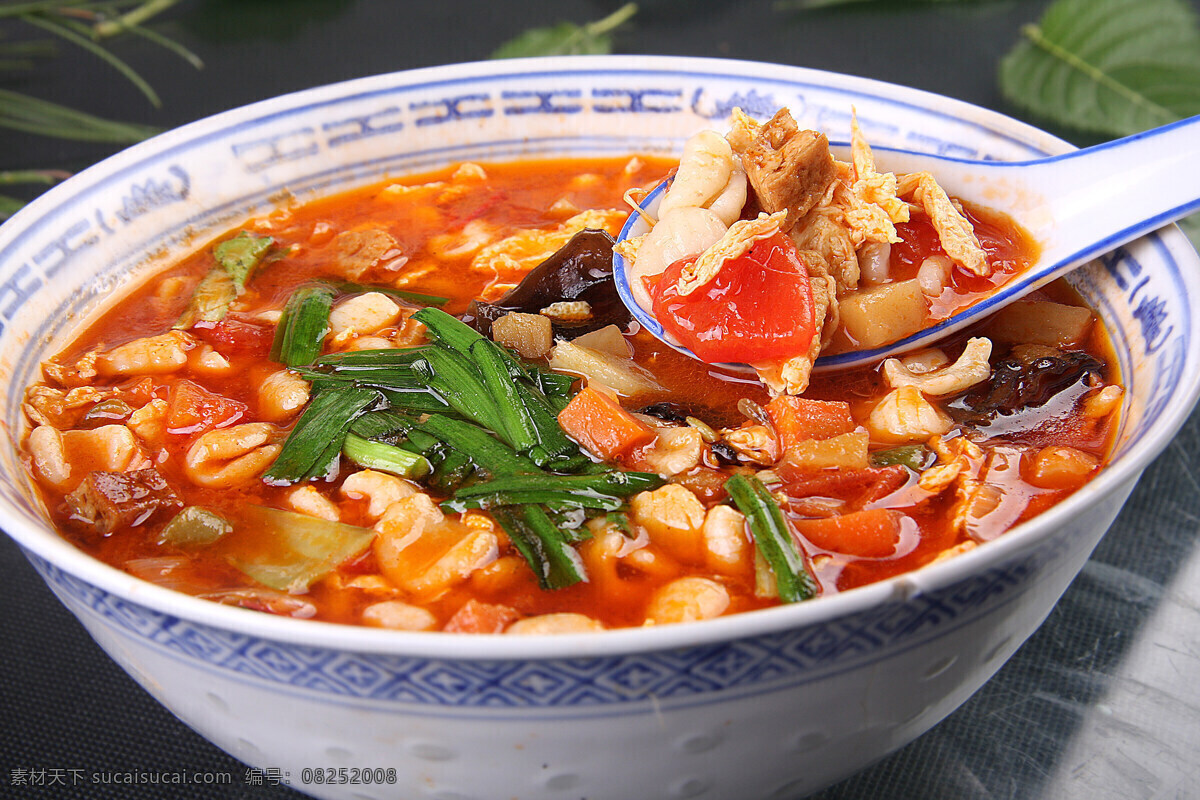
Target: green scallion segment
x: 457, y: 381
x: 381, y: 424
x: 490, y: 455
x: 384, y: 457
x: 773, y: 538
x: 543, y: 545
x: 516, y: 425
x: 303, y: 326
x: 312, y: 448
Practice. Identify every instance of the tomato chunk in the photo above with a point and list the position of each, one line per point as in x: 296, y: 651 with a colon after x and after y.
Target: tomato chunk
x: 234, y: 336
x: 758, y: 308
x: 194, y: 409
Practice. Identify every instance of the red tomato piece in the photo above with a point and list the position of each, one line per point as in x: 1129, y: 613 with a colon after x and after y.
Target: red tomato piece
x: 235, y: 336
x: 759, y: 307
x: 194, y: 409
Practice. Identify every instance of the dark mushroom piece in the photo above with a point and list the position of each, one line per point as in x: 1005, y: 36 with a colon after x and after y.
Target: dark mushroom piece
x: 581, y: 270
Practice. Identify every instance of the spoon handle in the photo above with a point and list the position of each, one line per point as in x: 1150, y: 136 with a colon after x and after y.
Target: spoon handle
x: 1109, y: 194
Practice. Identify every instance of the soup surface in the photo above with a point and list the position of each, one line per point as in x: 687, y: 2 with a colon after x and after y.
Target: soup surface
x: 295, y: 420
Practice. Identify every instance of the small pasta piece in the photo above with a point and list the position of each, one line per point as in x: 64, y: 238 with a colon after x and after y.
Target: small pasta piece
x: 398, y: 616
x: 307, y: 500
x: 683, y: 233
x: 379, y: 488
x: 904, y: 415
x: 920, y: 362
x: 562, y: 622
x: 687, y: 600
x: 1103, y: 402
x: 230, y: 456
x: 425, y: 554
x: 151, y: 355
x: 63, y: 458
x: 674, y: 450
x: 674, y: 518
x: 972, y: 367
x: 726, y: 539
x: 1059, y: 467
x: 206, y: 361
x: 704, y: 171
x: 281, y: 396
x: 149, y: 423
x: 362, y: 314
x: 873, y: 262
x: 934, y: 274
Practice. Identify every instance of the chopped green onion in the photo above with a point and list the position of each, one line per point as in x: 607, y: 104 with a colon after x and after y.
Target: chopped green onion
x: 543, y: 545
x: 312, y: 448
x: 456, y: 380
x: 447, y: 330
x: 418, y: 402
x: 381, y: 424
x: 371, y: 359
x: 384, y: 457
x: 451, y: 471
x: 773, y: 538
x: 552, y: 498
x: 516, y: 425
x: 490, y: 455
x: 303, y: 326
x: 194, y: 526
x: 617, y: 483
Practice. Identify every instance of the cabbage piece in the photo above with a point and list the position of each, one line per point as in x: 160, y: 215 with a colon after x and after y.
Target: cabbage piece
x: 288, y: 551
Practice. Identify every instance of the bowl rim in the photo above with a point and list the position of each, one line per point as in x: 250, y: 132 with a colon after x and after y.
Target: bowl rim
x: 48, y: 545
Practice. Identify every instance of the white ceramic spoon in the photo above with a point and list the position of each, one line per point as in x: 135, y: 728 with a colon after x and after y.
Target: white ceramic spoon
x: 1077, y: 206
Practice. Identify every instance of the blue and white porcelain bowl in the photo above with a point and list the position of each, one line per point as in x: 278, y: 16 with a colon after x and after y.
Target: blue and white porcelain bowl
x: 774, y: 703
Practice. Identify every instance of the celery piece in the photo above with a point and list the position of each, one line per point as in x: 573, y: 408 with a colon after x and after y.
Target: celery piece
x: 210, y: 300
x: 194, y: 526
x: 241, y: 254
x: 290, y: 551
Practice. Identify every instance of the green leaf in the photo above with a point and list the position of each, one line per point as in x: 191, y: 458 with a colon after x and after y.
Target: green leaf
x: 1109, y: 67
x: 567, y: 38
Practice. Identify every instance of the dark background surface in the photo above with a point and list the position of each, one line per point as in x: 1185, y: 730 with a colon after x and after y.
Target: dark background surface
x: 1103, y: 702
